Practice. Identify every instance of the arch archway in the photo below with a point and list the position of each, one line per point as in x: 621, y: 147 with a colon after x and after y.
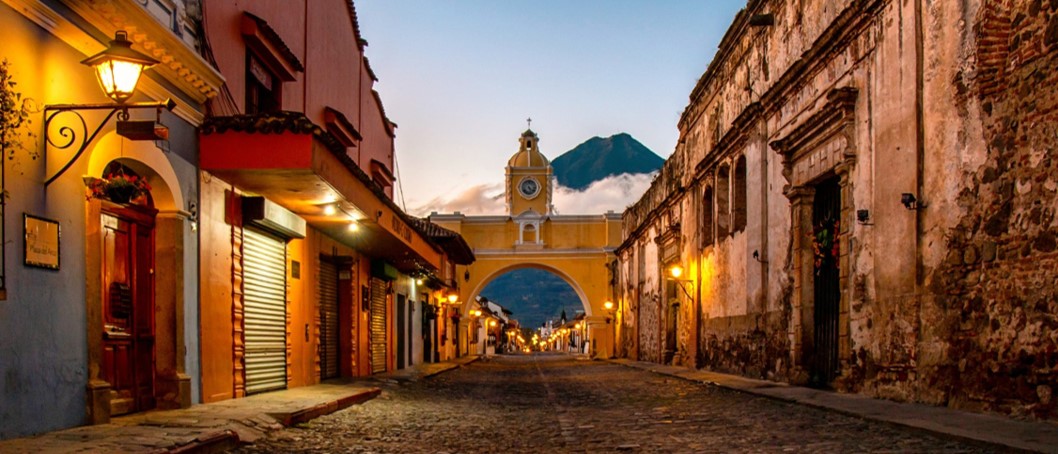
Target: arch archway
x: 561, y: 274
x: 147, y: 160
x: 157, y: 238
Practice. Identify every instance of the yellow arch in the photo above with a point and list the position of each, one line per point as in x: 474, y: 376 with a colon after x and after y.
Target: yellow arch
x: 557, y: 271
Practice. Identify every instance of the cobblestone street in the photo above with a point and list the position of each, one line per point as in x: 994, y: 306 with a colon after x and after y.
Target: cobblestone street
x: 558, y: 403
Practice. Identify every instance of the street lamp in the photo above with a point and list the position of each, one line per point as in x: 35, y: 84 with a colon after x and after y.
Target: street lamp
x: 675, y: 272
x: 118, y: 70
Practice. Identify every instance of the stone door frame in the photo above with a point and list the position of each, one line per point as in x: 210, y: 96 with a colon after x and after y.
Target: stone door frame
x: 821, y: 147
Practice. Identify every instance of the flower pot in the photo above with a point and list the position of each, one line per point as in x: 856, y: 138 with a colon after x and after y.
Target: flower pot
x: 121, y: 194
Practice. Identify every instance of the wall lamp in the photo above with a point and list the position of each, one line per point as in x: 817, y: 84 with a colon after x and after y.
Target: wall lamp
x: 675, y: 274
x: 910, y: 202
x: 863, y: 217
x: 608, y: 305
x: 118, y: 70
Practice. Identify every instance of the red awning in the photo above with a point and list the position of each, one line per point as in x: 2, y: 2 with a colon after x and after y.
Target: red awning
x: 285, y: 157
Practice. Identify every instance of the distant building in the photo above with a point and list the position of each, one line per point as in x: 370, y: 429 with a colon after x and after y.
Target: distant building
x: 576, y: 248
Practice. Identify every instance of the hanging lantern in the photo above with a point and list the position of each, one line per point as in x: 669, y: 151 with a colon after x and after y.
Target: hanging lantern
x: 118, y: 68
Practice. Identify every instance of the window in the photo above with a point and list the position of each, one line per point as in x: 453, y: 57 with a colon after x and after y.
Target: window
x: 738, y: 209
x: 262, y: 87
x: 529, y: 235
x: 723, y: 197
x: 706, y: 230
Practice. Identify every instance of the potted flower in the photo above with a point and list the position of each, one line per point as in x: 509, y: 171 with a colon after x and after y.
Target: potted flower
x: 826, y: 244
x: 117, y: 187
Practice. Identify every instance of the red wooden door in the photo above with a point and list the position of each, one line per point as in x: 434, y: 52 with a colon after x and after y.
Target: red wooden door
x: 128, y: 307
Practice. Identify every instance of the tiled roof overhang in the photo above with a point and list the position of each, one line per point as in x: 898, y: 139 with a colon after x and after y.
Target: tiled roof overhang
x: 295, y: 163
x: 459, y: 252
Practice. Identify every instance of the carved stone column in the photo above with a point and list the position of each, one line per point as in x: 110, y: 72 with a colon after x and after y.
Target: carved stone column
x: 802, y: 319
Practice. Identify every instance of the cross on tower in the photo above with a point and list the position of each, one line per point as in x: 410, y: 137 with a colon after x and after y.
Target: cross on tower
x: 530, y: 122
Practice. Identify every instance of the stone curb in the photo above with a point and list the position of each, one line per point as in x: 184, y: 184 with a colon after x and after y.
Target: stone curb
x: 999, y: 432
x: 240, y: 421
x: 216, y: 442
x: 308, y: 414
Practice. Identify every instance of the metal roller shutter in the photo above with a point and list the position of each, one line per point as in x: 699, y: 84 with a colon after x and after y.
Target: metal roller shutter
x: 378, y: 325
x: 328, y: 320
x: 264, y: 268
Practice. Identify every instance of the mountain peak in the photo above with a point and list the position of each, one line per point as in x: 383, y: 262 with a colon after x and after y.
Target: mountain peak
x: 598, y: 158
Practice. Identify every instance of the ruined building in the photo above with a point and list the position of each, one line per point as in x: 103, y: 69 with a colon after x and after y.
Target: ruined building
x: 863, y: 198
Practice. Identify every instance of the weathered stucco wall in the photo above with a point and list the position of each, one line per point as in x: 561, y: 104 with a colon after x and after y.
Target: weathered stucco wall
x: 949, y: 302
x: 993, y: 112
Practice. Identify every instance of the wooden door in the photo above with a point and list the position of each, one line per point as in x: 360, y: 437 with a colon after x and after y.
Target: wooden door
x: 128, y: 307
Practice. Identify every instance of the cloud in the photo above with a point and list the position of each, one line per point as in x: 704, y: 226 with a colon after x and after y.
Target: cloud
x: 612, y: 193
x: 475, y: 200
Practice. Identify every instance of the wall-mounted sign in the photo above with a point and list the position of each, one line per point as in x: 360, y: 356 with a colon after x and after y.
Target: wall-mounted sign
x: 41, y: 242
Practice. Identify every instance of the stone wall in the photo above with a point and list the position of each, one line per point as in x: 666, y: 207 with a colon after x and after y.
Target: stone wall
x: 950, y: 302
x: 997, y: 282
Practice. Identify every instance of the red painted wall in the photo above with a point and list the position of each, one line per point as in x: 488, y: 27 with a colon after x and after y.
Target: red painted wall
x: 321, y: 34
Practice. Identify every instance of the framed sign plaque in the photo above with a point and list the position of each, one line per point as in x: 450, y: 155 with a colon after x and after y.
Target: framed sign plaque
x: 41, y: 242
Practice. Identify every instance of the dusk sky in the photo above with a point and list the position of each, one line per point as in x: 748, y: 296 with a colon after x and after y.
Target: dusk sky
x: 461, y: 77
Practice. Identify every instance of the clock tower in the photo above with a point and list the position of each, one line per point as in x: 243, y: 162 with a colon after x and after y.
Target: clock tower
x: 529, y: 180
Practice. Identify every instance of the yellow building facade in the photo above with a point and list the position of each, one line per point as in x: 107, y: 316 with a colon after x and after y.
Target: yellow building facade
x: 576, y: 248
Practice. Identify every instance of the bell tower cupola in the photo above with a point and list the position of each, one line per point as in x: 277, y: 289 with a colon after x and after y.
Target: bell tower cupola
x: 529, y: 179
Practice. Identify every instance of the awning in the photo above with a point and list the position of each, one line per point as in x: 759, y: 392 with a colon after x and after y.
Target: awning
x: 293, y: 162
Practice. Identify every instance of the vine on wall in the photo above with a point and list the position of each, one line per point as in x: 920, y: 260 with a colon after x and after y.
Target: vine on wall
x: 14, y: 120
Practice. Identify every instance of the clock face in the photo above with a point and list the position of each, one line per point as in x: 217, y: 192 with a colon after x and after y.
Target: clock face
x: 529, y: 188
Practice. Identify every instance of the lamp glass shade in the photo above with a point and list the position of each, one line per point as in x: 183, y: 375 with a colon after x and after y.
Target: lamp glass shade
x: 676, y: 271
x: 118, y: 68
x: 118, y: 78
x: 607, y: 305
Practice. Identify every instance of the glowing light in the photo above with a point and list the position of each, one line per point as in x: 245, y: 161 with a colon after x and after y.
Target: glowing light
x: 118, y: 68
x: 608, y: 305
x: 676, y: 271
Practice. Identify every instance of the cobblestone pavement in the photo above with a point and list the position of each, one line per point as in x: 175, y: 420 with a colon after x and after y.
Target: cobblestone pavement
x: 558, y: 403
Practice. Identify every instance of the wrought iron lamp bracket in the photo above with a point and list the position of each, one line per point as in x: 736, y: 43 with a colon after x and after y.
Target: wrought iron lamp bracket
x: 78, y: 135
x: 682, y: 284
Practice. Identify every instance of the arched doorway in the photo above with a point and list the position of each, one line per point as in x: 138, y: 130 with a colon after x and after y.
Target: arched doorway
x: 136, y: 315
x: 535, y: 295
x: 540, y: 303
x: 127, y: 219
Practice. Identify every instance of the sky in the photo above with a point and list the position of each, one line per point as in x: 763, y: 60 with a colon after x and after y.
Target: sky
x: 460, y: 78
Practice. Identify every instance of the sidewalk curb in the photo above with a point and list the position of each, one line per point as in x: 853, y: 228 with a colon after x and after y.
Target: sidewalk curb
x: 771, y: 390
x: 452, y: 367
x: 216, y: 442
x: 308, y: 414
x: 225, y: 440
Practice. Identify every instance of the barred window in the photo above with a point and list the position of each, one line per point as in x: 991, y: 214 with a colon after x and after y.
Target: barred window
x: 706, y: 230
x: 723, y: 201
x: 738, y: 209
